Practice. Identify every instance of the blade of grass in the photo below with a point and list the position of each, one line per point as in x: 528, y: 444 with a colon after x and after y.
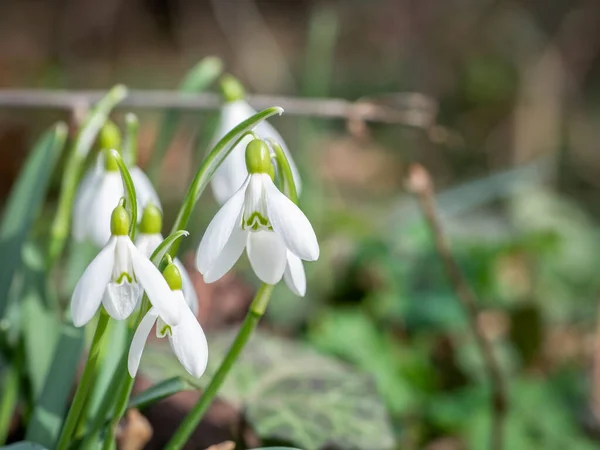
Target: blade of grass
x: 24, y: 202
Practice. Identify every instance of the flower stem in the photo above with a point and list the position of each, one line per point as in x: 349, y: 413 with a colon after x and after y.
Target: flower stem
x: 85, y: 384
x: 257, y: 310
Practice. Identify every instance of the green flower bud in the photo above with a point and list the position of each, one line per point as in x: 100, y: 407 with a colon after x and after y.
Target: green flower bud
x: 231, y: 89
x: 119, y: 221
x: 110, y: 136
x: 110, y: 162
x: 258, y: 158
x: 151, y: 220
x: 173, y: 277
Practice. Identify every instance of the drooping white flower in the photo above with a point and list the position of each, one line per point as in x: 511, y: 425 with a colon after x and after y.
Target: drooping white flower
x: 115, y: 278
x: 232, y: 173
x: 99, y: 191
x: 187, y: 339
x: 263, y: 220
x: 149, y: 238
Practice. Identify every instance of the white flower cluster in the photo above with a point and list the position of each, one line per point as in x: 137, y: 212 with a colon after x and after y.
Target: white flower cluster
x: 254, y: 216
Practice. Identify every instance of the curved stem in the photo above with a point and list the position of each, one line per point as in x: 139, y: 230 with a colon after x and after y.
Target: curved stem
x: 257, y: 310
x: 85, y: 384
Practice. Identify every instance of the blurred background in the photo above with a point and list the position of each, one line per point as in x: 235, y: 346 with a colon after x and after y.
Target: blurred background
x: 498, y: 99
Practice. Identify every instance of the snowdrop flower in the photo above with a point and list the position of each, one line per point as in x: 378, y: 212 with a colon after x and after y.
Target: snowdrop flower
x: 97, y: 194
x: 115, y: 278
x: 187, y: 339
x: 261, y: 219
x: 149, y: 238
x: 232, y: 172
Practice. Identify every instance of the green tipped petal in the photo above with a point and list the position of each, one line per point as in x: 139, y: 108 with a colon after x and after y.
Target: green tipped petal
x: 231, y: 89
x: 151, y: 220
x: 119, y: 221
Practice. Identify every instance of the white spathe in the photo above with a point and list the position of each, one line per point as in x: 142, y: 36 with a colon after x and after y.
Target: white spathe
x: 269, y: 225
x: 115, y: 278
x: 146, y: 244
x: 232, y: 172
x: 97, y: 195
x: 187, y: 338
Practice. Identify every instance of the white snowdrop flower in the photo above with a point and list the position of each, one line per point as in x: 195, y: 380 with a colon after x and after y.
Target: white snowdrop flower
x: 263, y: 220
x: 115, y: 278
x: 187, y: 339
x: 99, y: 191
x: 232, y: 173
x: 149, y: 238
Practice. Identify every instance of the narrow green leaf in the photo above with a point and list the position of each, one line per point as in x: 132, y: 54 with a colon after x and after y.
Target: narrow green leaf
x: 211, y: 163
x: 197, y: 79
x: 40, y: 322
x: 285, y: 170
x: 130, y: 196
x: 160, y: 391
x: 23, y: 446
x: 24, y: 202
x: 130, y: 149
x: 166, y: 245
x: 49, y: 410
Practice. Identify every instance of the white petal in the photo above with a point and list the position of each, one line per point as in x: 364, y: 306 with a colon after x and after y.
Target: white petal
x: 188, y: 341
x: 232, y: 172
x: 294, y: 275
x: 155, y: 285
x: 144, y: 190
x: 230, y: 254
x: 121, y: 299
x: 92, y: 284
x: 290, y: 223
x: 219, y: 230
x: 147, y: 243
x: 266, y: 252
x: 83, y: 200
x: 189, y: 291
x: 139, y: 341
x: 110, y: 191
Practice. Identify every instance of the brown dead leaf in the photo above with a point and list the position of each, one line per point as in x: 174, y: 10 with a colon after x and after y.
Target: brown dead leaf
x: 227, y: 445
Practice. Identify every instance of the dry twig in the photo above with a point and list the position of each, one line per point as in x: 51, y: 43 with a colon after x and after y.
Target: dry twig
x: 420, y: 183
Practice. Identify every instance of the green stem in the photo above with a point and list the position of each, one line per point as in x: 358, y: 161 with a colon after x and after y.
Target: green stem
x: 10, y: 388
x: 257, y: 310
x: 126, y: 386
x: 85, y: 384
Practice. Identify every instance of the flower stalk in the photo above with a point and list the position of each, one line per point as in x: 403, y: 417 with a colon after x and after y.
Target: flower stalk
x: 255, y: 313
x: 85, y: 384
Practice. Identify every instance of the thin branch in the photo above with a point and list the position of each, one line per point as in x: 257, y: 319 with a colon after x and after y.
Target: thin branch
x: 408, y: 108
x: 420, y: 183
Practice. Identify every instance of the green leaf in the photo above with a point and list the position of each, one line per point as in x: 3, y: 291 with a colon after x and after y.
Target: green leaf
x: 292, y: 393
x: 49, y: 410
x: 164, y: 247
x: 196, y: 80
x: 130, y: 196
x: 160, y: 391
x: 24, y: 446
x: 276, y: 448
x: 40, y: 323
x: 24, y: 202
